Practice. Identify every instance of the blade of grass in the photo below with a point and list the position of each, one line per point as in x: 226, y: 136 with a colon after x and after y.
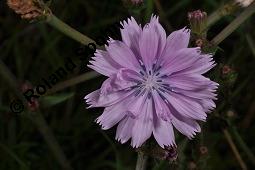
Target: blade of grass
x: 251, y: 44
x: 14, y: 156
x: 118, y: 162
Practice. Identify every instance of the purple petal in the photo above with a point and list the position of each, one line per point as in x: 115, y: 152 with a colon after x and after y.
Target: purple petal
x: 154, y: 22
x: 137, y: 104
x: 175, y: 41
x: 122, y: 54
x: 124, y: 129
x: 161, y: 109
x: 142, y: 128
x: 114, y: 89
x: 163, y: 133
x: 181, y: 60
x: 104, y: 64
x: 198, y: 94
x: 130, y: 35
x: 186, y: 107
x: 148, y: 45
x: 186, y: 126
x: 189, y: 82
x: 124, y: 79
x: 111, y: 115
x: 201, y: 66
x: 97, y: 99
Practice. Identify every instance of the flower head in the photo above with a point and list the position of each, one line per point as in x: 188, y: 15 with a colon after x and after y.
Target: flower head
x: 154, y: 83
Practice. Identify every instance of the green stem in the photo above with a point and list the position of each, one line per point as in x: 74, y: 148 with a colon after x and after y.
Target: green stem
x: 38, y: 119
x: 234, y: 24
x: 149, y: 9
x: 14, y: 156
x: 242, y: 144
x: 74, y: 81
x: 234, y: 149
x: 50, y: 139
x: 12, y: 81
x: 224, y: 10
x: 162, y: 14
x: 141, y: 161
x: 251, y: 44
x: 67, y: 30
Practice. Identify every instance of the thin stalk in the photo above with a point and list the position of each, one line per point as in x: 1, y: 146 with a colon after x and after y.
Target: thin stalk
x: 214, y: 17
x: 38, y: 119
x: 141, y: 161
x: 242, y: 145
x: 73, y: 81
x: 248, y: 119
x: 12, y: 81
x: 12, y: 154
x: 69, y: 31
x: 224, y: 10
x: 162, y: 14
x: 234, y: 149
x: 234, y: 24
x: 50, y: 139
x: 251, y: 44
x: 149, y: 9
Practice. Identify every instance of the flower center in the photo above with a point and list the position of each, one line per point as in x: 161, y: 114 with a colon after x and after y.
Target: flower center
x: 150, y: 82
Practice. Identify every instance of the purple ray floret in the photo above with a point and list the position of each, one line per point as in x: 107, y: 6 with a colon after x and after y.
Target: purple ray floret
x: 155, y: 82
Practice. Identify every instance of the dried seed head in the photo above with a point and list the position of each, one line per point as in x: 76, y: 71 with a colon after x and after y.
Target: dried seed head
x: 132, y: 2
x: 230, y: 113
x: 136, y: 1
x: 244, y: 3
x: 28, y: 9
x: 171, y: 153
x: 226, y: 69
x: 199, y: 42
x: 203, y: 150
x: 192, y: 165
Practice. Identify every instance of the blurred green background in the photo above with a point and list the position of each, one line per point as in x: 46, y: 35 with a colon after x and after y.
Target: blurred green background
x: 32, y: 51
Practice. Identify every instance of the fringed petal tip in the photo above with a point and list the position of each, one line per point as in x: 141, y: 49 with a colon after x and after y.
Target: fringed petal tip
x: 194, y: 133
x: 166, y: 146
x: 185, y: 30
x: 154, y: 17
x: 128, y: 22
x: 122, y: 141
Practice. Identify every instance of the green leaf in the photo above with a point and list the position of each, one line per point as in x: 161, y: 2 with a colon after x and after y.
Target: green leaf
x: 48, y: 101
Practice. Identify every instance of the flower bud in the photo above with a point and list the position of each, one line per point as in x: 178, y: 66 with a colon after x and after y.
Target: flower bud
x: 198, y: 21
x: 203, y: 150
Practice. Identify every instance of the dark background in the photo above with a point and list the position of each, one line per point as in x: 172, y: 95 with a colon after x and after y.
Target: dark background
x: 32, y: 51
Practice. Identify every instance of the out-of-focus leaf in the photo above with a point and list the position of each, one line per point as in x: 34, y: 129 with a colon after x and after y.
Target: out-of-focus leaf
x: 48, y: 101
